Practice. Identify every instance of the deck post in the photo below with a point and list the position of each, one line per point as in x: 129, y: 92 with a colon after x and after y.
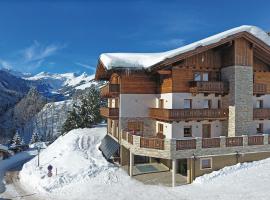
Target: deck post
x: 131, y: 163
x: 173, y: 172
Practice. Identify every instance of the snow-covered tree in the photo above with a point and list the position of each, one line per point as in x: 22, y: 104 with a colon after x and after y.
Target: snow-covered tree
x: 16, y: 141
x: 35, y: 138
x: 85, y: 113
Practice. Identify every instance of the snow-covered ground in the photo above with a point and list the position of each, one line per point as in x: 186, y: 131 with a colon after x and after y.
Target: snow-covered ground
x: 83, y: 173
x: 12, y: 163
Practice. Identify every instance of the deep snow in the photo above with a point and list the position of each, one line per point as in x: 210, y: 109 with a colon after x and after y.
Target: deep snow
x: 83, y: 173
x: 145, y: 60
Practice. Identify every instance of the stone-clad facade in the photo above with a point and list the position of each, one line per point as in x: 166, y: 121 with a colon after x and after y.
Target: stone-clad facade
x: 240, y: 99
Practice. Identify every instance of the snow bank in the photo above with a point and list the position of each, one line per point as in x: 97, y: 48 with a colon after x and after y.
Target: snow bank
x: 37, y: 145
x: 83, y: 173
x: 145, y: 60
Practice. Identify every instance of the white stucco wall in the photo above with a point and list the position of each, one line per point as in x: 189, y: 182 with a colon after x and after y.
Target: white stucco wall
x: 176, y: 100
x: 136, y: 105
x: 176, y: 130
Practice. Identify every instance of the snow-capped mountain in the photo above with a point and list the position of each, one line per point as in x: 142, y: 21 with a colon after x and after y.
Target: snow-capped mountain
x: 62, y: 84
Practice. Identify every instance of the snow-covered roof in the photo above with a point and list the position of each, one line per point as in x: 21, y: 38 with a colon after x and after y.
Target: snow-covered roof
x: 145, y: 60
x: 3, y: 148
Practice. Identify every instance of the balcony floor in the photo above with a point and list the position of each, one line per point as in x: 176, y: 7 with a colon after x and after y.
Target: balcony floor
x: 155, y: 174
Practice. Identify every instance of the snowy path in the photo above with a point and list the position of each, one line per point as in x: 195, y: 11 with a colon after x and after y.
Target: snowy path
x: 13, y: 163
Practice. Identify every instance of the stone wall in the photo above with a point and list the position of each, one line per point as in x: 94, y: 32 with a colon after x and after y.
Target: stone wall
x: 239, y: 100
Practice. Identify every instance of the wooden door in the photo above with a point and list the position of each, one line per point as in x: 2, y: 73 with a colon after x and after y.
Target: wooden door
x: 206, y: 130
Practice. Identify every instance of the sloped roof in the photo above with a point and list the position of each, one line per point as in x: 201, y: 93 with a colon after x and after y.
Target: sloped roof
x: 3, y: 148
x: 146, y: 60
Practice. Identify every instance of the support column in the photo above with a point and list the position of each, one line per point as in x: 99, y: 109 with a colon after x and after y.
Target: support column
x: 131, y: 163
x: 173, y: 172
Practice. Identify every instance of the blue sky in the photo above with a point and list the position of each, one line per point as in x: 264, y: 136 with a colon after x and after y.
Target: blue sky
x: 68, y: 36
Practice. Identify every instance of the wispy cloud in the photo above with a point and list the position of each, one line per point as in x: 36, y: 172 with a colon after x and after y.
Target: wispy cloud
x: 85, y: 65
x: 31, y: 57
x: 37, y: 51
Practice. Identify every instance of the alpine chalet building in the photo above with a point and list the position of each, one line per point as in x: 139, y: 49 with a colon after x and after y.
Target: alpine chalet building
x: 194, y: 109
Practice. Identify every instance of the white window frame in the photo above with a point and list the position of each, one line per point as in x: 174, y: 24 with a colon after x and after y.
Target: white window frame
x: 211, y: 163
x: 199, y: 77
x: 204, y: 103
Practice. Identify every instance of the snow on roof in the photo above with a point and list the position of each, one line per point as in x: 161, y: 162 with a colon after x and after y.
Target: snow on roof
x: 145, y: 60
x: 3, y: 148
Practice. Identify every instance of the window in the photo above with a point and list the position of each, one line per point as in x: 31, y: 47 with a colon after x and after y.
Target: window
x: 161, y: 103
x: 188, y: 131
x: 197, y: 76
x: 219, y: 103
x: 187, y: 103
x: 206, y: 163
x: 116, y: 105
x: 259, y: 104
x: 260, y: 128
x: 160, y: 128
x: 206, y: 103
x: 205, y: 76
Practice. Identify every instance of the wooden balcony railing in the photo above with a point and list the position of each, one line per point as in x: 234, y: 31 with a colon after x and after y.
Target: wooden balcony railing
x: 234, y: 141
x: 188, y: 114
x: 256, y: 140
x: 261, y: 113
x: 193, y: 145
x: 110, y: 90
x: 216, y: 87
x: 185, y: 144
x: 210, y: 142
x: 152, y: 143
x: 259, y: 88
x: 109, y: 112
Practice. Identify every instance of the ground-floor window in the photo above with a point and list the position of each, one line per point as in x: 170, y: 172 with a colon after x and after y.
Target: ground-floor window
x: 206, y: 163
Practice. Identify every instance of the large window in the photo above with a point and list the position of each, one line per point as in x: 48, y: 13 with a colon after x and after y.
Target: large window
x: 197, y: 76
x: 187, y: 131
x: 201, y: 76
x: 187, y: 103
x: 259, y: 104
x: 206, y: 103
x: 206, y: 163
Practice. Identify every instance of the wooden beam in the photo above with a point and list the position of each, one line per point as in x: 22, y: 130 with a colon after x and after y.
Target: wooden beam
x: 164, y: 72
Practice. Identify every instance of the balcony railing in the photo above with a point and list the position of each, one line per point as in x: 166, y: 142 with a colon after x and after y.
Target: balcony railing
x: 194, y: 145
x: 216, y: 87
x: 188, y: 114
x: 259, y: 88
x: 109, y: 112
x: 110, y: 90
x: 261, y: 113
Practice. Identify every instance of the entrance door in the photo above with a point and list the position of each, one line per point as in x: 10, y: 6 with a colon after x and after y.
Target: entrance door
x: 206, y: 130
x: 182, y: 167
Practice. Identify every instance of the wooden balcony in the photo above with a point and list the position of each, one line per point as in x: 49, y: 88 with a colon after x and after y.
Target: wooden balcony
x: 259, y: 89
x: 208, y: 87
x: 261, y: 113
x: 112, y: 113
x: 110, y: 90
x: 188, y: 114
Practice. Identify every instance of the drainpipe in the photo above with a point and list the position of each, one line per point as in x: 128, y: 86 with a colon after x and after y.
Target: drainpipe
x: 237, y: 155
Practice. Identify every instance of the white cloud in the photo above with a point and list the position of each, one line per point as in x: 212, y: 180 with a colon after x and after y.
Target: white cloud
x: 37, y: 51
x: 85, y: 65
x: 5, y: 64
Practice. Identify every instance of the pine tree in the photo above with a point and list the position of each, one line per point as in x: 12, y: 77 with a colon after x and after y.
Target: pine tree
x: 35, y: 138
x: 85, y: 113
x: 16, y: 141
